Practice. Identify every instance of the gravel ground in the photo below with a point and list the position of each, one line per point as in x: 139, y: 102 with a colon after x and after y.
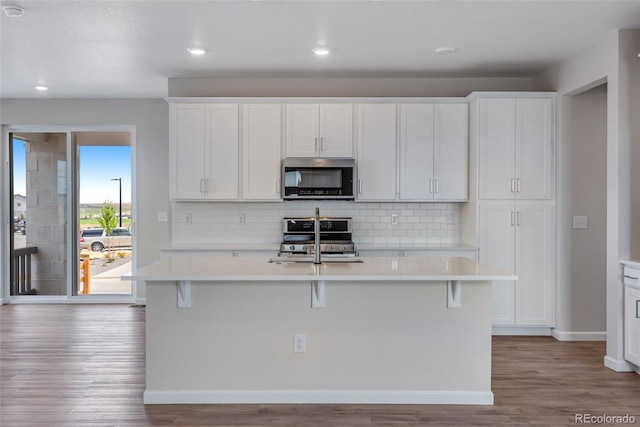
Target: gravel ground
x: 100, y: 265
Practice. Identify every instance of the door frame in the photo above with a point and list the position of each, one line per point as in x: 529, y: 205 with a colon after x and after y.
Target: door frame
x: 72, y: 250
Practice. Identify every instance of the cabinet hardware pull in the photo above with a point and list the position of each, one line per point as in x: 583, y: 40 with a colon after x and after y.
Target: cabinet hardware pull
x: 316, y: 149
x: 206, y: 185
x: 202, y: 185
x: 437, y: 185
x: 630, y: 277
x: 359, y: 186
x: 431, y: 186
x: 518, y: 218
x: 322, y: 143
x: 513, y: 185
x: 518, y: 185
x: 511, y: 218
x: 638, y: 309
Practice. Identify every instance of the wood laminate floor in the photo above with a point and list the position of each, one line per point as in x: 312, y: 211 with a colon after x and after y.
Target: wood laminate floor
x: 83, y: 365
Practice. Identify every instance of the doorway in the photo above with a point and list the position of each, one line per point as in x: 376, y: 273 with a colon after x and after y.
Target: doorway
x: 104, y: 212
x: 61, y: 181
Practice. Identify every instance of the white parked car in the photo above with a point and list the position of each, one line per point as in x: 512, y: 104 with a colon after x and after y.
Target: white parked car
x: 97, y: 240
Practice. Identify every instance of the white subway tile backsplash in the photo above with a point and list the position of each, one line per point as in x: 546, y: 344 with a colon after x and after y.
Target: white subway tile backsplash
x: 419, y: 224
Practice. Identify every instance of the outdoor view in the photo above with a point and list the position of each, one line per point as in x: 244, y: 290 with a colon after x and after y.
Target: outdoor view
x: 39, y: 218
x: 105, y: 219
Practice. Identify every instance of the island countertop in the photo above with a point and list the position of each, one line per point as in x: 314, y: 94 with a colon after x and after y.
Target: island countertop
x: 202, y: 268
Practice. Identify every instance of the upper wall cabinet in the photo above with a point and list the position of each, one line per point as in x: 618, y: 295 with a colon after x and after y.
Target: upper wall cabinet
x: 433, y: 152
x: 261, y: 151
x: 319, y: 130
x: 376, y: 152
x: 515, y: 148
x: 204, y: 152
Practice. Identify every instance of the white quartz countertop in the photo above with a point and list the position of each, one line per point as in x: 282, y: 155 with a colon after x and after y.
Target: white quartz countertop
x: 630, y: 263
x: 258, y: 268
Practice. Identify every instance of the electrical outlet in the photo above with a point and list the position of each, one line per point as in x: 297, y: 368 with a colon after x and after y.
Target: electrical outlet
x: 299, y: 343
x: 449, y: 217
x: 394, y: 219
x: 163, y: 216
x: 580, y: 221
x: 241, y: 219
x: 188, y: 219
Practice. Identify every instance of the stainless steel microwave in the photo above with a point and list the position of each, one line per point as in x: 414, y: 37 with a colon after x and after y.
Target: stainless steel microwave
x: 306, y: 178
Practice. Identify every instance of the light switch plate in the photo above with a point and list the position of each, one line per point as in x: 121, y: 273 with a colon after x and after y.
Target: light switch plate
x: 580, y: 221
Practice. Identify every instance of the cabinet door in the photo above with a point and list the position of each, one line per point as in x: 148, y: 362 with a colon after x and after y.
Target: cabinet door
x: 496, y: 240
x: 187, y: 160
x: 416, y: 152
x: 534, y: 148
x: 376, y: 152
x: 221, y: 151
x: 535, y: 264
x: 261, y: 151
x: 336, y: 130
x: 302, y: 130
x: 451, y: 164
x: 632, y: 325
x: 496, y: 148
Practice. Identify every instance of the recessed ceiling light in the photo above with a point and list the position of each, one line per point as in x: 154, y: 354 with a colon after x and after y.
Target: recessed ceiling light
x: 197, y: 50
x: 12, y: 11
x: 321, y: 51
x: 445, y: 50
x: 41, y: 88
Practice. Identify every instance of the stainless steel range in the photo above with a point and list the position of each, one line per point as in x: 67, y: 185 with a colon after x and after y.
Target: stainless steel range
x: 335, y: 236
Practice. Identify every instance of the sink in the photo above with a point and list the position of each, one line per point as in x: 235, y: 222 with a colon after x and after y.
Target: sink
x: 309, y: 260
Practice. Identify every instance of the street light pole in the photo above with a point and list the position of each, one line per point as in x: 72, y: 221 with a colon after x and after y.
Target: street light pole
x: 120, y: 185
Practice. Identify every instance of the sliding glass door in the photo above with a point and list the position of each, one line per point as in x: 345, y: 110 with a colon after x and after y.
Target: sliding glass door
x: 69, y: 214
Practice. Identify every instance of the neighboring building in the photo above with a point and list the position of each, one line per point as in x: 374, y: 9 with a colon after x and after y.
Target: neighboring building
x: 19, y: 206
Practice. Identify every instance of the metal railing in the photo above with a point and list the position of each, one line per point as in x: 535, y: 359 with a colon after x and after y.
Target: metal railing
x: 21, y: 271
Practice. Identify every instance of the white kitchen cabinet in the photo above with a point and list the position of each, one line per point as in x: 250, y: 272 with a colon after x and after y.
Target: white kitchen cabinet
x: 319, y: 130
x: 519, y: 238
x: 376, y: 152
x: 433, y: 152
x: 204, y: 152
x: 515, y: 148
x: 632, y: 317
x: 261, y: 151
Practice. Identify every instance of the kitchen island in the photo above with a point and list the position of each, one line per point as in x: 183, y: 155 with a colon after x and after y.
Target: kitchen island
x: 384, y: 330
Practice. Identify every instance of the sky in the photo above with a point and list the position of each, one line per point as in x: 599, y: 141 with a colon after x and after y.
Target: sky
x: 98, y: 165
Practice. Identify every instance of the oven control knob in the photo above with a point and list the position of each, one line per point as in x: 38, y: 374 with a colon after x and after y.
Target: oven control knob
x: 329, y: 247
x: 292, y: 248
x: 304, y: 248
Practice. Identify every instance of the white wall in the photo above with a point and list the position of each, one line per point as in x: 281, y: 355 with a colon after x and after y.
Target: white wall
x: 581, y: 276
x: 347, y: 87
x: 614, y: 60
x: 151, y: 120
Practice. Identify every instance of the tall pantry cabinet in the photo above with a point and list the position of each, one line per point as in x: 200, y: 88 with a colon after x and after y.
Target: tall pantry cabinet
x: 513, y: 139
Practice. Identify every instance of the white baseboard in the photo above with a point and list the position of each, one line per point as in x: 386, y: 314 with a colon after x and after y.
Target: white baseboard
x: 320, y: 397
x: 544, y: 331
x: 620, y: 365
x: 578, y: 336
x: 141, y: 301
x: 2, y: 301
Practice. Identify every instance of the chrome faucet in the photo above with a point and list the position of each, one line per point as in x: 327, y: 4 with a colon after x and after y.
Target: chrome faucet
x: 316, y: 238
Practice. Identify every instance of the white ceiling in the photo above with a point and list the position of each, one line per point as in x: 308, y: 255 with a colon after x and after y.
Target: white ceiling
x: 130, y: 48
